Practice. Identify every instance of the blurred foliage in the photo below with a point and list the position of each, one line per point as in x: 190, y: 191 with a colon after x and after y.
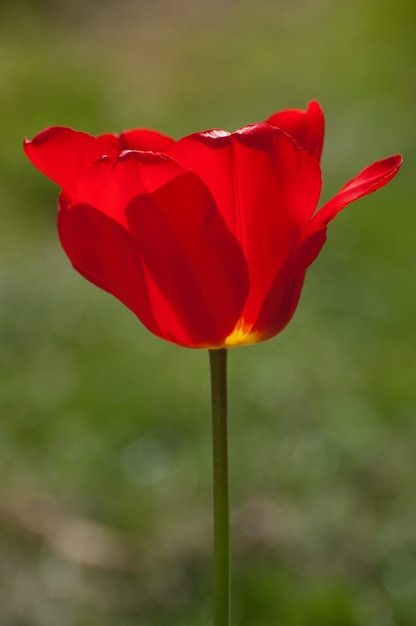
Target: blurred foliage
x: 105, y: 515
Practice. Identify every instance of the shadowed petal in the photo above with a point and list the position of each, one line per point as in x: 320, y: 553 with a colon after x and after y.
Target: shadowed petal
x: 278, y: 308
x: 139, y: 139
x: 64, y: 154
x: 306, y: 127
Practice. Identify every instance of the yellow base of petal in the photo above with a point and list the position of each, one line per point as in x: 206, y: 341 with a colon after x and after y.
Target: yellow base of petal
x: 242, y: 337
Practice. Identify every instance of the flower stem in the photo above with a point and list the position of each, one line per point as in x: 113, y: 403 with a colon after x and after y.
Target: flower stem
x: 218, y: 368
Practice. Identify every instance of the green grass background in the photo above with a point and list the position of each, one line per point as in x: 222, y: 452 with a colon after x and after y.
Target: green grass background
x: 105, y: 466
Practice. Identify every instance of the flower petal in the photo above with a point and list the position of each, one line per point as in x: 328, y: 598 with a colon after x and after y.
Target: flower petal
x: 266, y: 188
x: 306, y: 127
x: 290, y: 277
x: 278, y: 307
x: 139, y: 139
x: 104, y: 253
x: 112, y: 182
x: 198, y: 268
x: 64, y: 154
x: 369, y: 180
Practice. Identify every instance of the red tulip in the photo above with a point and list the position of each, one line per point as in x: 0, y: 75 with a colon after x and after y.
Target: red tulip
x: 206, y: 239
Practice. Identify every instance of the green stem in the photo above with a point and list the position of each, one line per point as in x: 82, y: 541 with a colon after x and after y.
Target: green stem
x: 218, y: 367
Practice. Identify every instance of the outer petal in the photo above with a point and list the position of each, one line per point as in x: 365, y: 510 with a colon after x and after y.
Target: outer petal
x: 63, y: 154
x: 139, y: 139
x: 306, y: 127
x: 266, y: 188
x: 291, y: 274
x: 186, y: 277
x: 197, y: 265
x: 103, y: 252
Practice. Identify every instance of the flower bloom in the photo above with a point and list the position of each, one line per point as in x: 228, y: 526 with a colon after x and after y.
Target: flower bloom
x: 206, y: 239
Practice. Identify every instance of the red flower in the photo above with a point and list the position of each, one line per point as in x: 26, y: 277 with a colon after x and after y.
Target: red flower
x: 206, y: 239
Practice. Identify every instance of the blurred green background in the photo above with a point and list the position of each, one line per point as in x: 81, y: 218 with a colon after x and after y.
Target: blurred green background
x: 105, y: 450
